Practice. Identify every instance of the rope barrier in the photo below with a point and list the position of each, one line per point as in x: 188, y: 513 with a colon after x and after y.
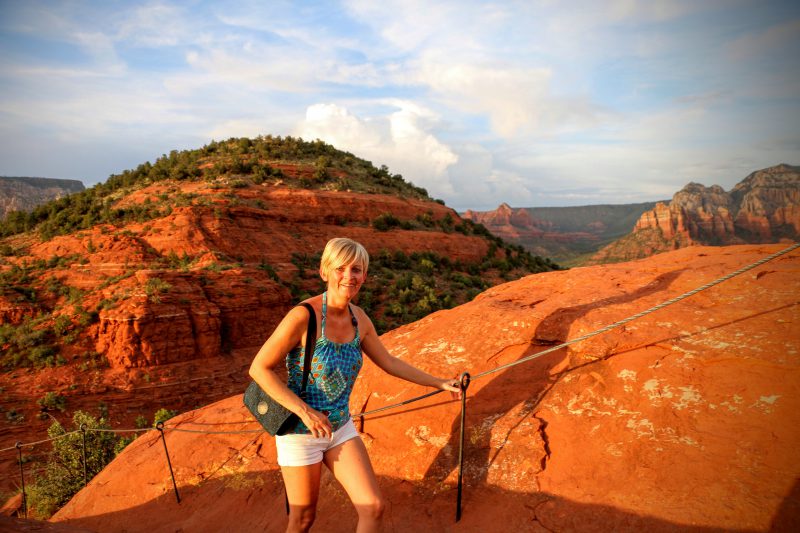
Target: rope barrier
x: 206, y: 432
x: 124, y: 430
x: 464, y: 383
x: 22, y: 477
x: 20, y: 444
x: 160, y: 428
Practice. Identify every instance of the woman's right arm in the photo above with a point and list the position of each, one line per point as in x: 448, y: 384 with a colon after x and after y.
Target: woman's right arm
x: 286, y: 336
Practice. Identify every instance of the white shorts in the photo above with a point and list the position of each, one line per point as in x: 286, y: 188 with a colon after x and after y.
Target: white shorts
x: 302, y: 449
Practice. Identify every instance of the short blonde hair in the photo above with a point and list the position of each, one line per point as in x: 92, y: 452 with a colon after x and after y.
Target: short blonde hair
x: 341, y: 251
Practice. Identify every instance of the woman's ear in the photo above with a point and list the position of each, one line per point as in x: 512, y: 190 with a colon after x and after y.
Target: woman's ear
x: 323, y: 275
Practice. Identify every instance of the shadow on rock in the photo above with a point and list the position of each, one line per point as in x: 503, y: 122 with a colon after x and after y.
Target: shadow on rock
x: 254, y: 502
x: 525, y: 384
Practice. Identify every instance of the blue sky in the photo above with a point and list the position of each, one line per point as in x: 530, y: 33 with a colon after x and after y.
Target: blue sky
x: 533, y: 103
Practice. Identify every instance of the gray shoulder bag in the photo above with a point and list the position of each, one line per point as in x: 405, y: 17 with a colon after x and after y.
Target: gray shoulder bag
x: 275, y: 418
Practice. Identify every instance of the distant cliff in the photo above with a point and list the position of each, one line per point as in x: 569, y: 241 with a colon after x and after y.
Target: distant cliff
x: 562, y: 233
x: 23, y: 194
x: 762, y: 208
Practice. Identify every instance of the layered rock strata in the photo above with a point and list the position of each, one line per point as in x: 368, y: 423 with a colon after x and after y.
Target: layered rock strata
x: 762, y: 208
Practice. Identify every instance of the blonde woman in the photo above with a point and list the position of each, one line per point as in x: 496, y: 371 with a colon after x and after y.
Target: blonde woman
x: 325, y: 432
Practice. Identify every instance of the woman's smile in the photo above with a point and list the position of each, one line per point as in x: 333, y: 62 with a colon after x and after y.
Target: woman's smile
x: 347, y: 278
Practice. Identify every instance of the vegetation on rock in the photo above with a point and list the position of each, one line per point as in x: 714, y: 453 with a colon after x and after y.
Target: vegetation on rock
x: 231, y: 175
x: 239, y: 160
x: 63, y: 474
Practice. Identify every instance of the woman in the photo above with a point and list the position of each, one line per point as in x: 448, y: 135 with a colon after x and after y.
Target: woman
x: 325, y: 433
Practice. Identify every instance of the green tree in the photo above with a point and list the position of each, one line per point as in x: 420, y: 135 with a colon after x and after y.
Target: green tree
x: 62, y: 477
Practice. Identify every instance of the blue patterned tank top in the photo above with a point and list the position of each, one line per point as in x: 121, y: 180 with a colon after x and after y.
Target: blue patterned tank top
x: 334, y: 368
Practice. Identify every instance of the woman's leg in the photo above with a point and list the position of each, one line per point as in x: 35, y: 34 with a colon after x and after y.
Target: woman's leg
x: 302, y: 490
x: 350, y: 465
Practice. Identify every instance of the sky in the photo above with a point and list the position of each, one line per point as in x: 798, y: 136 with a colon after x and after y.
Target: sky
x: 532, y: 103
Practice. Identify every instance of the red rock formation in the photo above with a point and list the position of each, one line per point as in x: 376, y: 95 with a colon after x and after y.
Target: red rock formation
x: 507, y: 223
x: 235, y: 308
x: 769, y: 203
x: 189, y: 321
x: 686, y: 419
x: 762, y: 208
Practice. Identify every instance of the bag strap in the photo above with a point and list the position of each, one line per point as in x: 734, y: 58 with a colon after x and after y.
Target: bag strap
x: 311, y: 341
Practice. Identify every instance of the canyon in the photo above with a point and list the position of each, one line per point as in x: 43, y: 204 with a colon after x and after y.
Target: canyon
x: 763, y: 208
x: 565, y: 234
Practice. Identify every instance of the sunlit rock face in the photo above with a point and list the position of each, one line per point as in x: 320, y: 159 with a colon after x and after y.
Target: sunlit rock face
x: 685, y: 419
x: 762, y: 208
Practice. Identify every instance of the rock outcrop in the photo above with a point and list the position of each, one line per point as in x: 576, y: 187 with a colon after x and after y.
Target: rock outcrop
x: 762, y: 208
x: 23, y: 194
x: 686, y: 419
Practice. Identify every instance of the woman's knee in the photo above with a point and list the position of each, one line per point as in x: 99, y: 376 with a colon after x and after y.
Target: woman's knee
x: 373, y: 509
x: 302, y: 517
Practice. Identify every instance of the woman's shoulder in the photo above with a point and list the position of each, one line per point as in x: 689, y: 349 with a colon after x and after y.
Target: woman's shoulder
x: 299, y: 312
x: 313, y: 301
x: 361, y: 316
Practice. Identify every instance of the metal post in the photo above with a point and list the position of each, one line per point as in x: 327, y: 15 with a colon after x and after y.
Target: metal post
x: 85, y: 476
x: 464, y: 383
x: 22, y: 478
x: 160, y: 428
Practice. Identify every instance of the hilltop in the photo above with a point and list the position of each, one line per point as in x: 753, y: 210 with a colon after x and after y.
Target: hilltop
x: 155, y: 288
x: 686, y: 419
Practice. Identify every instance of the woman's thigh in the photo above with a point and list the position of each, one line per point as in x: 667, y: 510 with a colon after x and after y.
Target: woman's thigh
x: 302, y: 484
x: 350, y: 464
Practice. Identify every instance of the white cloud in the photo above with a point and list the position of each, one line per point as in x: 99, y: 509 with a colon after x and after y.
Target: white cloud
x: 256, y: 70
x: 401, y: 139
x: 517, y: 100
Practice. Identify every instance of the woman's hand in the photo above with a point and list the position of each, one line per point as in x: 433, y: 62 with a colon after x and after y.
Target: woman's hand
x: 453, y: 385
x: 317, y: 422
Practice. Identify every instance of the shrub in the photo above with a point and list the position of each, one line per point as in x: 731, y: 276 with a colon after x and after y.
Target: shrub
x: 61, y: 325
x: 52, y: 401
x: 385, y: 222
x: 62, y: 476
x: 154, y: 287
x: 162, y: 415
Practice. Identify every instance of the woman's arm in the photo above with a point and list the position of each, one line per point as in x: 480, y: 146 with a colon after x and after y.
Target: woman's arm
x: 286, y: 336
x: 372, y: 346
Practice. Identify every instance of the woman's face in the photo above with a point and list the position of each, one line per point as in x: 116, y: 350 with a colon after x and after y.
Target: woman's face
x: 346, y: 280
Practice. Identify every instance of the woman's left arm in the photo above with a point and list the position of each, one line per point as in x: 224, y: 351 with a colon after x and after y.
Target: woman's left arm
x: 372, y: 346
